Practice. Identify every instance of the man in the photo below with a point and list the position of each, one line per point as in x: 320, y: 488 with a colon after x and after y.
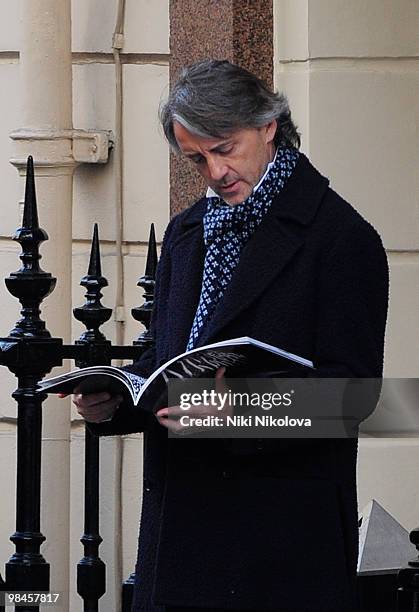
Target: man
x: 273, y: 253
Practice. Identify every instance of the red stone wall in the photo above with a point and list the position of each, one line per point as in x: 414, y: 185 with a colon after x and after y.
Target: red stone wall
x: 238, y: 30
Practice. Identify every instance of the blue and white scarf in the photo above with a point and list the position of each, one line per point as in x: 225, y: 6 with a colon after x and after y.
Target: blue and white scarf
x: 227, y: 228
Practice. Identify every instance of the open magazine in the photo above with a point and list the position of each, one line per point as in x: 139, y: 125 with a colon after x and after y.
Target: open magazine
x: 240, y: 356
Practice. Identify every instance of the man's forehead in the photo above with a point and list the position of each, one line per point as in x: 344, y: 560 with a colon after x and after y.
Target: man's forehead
x: 190, y: 142
x: 186, y: 138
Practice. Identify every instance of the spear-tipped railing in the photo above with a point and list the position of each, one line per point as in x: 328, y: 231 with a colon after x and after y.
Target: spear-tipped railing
x: 30, y: 353
x: 91, y: 577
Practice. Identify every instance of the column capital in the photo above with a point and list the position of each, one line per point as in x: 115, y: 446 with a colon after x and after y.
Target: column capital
x: 59, y: 151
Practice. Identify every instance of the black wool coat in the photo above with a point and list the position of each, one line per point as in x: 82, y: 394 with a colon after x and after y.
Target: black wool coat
x: 237, y: 524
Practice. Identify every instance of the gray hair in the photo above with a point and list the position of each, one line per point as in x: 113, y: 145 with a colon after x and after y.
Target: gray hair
x: 214, y: 98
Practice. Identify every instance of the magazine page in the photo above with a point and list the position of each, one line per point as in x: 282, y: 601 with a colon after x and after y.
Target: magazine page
x: 238, y: 355
x: 94, y: 380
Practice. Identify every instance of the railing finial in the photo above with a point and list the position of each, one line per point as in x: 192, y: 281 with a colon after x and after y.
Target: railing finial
x: 147, y: 282
x: 93, y: 314
x: 30, y: 284
x: 95, y: 268
x: 151, y: 263
x: 30, y: 211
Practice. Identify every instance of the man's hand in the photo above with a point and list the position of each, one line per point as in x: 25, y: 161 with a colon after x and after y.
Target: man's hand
x: 170, y: 417
x: 95, y: 407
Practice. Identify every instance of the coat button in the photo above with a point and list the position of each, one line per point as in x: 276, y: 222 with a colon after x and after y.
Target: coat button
x: 147, y: 485
x: 232, y: 592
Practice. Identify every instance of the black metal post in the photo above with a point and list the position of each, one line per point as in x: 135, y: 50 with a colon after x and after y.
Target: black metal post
x: 30, y: 353
x: 408, y: 579
x: 91, y: 571
x: 145, y: 340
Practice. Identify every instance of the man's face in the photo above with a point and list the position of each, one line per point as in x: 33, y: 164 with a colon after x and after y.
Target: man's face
x: 232, y: 165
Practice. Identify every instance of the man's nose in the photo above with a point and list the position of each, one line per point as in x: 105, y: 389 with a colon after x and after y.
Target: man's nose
x: 216, y: 167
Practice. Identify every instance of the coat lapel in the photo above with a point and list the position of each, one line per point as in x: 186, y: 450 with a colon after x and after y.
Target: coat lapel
x: 188, y: 255
x: 271, y: 248
x: 264, y: 257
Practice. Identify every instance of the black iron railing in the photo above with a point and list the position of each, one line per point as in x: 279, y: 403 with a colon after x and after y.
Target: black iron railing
x: 30, y: 353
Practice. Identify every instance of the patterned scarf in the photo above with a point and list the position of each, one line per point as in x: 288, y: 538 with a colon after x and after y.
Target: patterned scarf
x: 226, y: 231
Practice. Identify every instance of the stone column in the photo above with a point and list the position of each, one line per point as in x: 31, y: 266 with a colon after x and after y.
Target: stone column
x: 239, y: 31
x: 46, y: 134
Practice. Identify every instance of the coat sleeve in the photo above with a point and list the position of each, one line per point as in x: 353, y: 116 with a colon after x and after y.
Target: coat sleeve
x: 351, y: 319
x: 351, y: 316
x: 352, y: 306
x: 129, y: 418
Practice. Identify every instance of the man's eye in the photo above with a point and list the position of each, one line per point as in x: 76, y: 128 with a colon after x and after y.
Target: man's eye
x: 197, y: 159
x: 225, y: 150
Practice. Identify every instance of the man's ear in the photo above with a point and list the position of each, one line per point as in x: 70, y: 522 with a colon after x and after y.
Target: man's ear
x: 270, y: 131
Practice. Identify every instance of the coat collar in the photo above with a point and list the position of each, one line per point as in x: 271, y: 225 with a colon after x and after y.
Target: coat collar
x: 298, y: 201
x: 274, y: 243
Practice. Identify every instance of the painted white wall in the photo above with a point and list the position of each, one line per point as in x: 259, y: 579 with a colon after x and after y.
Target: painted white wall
x: 145, y: 175
x: 351, y: 73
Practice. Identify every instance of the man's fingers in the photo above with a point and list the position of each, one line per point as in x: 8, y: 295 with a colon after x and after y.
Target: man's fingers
x: 165, y: 418
x: 170, y: 411
x: 220, y: 383
x: 99, y: 412
x: 90, y: 399
x: 93, y: 409
x: 169, y: 417
x: 175, y: 426
x: 170, y: 424
x: 177, y: 411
